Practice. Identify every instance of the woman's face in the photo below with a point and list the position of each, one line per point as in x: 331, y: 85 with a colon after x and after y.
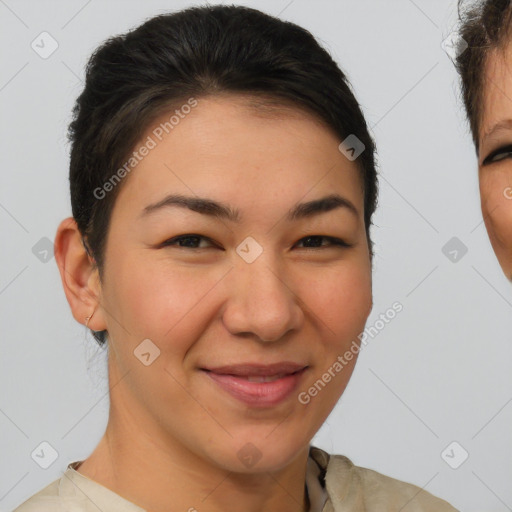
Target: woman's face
x: 235, y: 295
x: 495, y: 158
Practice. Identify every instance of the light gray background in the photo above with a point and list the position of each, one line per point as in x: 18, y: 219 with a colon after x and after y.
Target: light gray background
x: 439, y: 372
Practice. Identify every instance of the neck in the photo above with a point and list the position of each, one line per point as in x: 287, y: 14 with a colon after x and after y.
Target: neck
x: 138, y: 461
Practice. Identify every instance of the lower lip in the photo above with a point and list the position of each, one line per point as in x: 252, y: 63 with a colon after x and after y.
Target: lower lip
x: 258, y: 394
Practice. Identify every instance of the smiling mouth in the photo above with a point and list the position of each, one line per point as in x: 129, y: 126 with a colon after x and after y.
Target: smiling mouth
x: 258, y: 378
x: 269, y: 378
x: 254, y: 369
x: 257, y: 385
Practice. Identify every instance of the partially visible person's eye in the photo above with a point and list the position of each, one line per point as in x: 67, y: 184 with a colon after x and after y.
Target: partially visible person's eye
x: 498, y: 154
x: 315, y: 241
x: 189, y: 241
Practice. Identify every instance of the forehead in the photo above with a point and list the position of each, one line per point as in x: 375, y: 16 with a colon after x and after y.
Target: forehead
x: 496, y: 111
x: 229, y: 148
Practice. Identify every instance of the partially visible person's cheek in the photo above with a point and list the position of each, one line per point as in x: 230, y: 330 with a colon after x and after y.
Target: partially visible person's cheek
x: 496, y: 201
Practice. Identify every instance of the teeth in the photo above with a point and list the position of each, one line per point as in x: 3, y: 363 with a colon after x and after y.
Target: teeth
x: 264, y: 378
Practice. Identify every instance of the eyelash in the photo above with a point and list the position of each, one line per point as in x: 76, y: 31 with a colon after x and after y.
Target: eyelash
x: 333, y: 241
x: 497, y: 152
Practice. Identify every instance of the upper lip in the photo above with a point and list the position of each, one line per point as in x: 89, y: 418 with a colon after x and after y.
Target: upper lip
x: 252, y: 369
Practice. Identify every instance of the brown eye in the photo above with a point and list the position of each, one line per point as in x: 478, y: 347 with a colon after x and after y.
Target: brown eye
x: 498, y: 154
x: 190, y: 241
x: 315, y: 241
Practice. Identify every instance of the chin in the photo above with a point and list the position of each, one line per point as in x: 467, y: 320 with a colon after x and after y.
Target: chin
x: 257, y: 455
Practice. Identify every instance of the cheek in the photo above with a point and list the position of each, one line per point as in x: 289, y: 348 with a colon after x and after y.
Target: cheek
x: 341, y: 298
x: 496, y: 200
x: 155, y: 300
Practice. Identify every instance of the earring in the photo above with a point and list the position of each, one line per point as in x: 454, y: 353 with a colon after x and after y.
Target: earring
x: 87, y: 318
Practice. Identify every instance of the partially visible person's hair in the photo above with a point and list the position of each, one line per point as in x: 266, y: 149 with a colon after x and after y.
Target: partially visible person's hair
x: 132, y: 79
x: 484, y: 26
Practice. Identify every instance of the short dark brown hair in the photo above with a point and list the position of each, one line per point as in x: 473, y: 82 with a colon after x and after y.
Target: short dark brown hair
x: 485, y: 26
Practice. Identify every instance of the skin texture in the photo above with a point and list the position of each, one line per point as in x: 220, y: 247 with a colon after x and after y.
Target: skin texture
x: 173, y: 435
x: 495, y: 132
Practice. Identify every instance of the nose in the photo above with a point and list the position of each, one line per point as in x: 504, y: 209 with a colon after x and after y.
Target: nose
x: 262, y: 301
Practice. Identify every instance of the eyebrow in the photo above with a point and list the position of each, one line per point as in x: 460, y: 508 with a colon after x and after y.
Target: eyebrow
x: 219, y: 210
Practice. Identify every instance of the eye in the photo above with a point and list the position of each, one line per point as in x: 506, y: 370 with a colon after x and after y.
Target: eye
x: 498, y: 154
x: 315, y: 241
x: 189, y: 241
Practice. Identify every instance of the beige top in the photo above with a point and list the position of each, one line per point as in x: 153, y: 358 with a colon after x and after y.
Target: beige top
x: 333, y: 484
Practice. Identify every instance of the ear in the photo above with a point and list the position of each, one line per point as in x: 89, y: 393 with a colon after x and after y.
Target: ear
x: 79, y: 275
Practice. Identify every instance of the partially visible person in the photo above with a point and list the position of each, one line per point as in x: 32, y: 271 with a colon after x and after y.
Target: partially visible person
x: 485, y: 68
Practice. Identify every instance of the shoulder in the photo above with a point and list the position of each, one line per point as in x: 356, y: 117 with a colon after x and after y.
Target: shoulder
x: 61, y: 494
x: 76, y: 492
x: 355, y: 488
x: 43, y: 500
